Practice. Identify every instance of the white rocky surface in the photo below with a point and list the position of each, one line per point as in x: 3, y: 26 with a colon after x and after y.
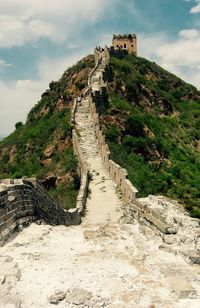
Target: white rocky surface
x: 186, y: 240
x: 100, y: 265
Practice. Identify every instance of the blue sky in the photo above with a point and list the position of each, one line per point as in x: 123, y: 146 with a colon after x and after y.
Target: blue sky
x: 39, y: 39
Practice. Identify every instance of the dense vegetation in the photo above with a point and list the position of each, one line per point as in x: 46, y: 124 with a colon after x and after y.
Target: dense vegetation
x: 42, y: 147
x: 153, y: 129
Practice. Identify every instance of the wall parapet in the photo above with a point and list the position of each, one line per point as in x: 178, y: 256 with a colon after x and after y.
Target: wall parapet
x: 136, y: 209
x: 25, y: 200
x: 82, y: 195
x: 83, y: 168
x: 155, y: 213
x: 118, y: 174
x: 120, y: 177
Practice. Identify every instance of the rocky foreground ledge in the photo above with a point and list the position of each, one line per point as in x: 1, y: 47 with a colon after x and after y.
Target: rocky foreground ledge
x: 159, y: 216
x: 107, y: 265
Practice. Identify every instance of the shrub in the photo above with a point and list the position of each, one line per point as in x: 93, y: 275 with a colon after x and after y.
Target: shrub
x: 120, y: 103
x: 112, y: 133
x: 135, y: 125
x: 80, y: 85
x: 18, y: 125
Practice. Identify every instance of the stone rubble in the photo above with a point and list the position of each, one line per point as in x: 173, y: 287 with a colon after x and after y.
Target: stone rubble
x: 186, y: 239
x: 95, y: 265
x: 57, y: 297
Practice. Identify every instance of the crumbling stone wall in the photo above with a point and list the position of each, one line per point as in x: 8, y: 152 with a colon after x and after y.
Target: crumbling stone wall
x: 83, y: 169
x: 23, y: 201
x: 155, y: 218
x: 166, y: 218
x: 118, y: 174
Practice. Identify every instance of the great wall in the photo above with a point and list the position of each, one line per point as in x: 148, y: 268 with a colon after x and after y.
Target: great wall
x: 128, y: 252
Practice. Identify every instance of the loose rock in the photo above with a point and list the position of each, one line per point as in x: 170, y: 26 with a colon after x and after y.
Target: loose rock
x: 78, y: 296
x: 57, y: 297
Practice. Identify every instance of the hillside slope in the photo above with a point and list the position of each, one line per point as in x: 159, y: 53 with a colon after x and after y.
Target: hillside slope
x: 152, y: 126
x: 42, y: 147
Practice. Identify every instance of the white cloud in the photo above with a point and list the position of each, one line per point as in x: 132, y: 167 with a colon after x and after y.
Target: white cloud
x: 4, y: 64
x: 184, y: 51
x: 16, y: 32
x: 23, y: 21
x: 189, y: 34
x: 73, y: 46
x: 147, y: 45
x: 180, y: 57
x: 196, y: 8
x: 15, y: 101
x: 17, y: 98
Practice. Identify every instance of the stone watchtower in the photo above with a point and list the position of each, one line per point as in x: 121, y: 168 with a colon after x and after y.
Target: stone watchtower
x: 126, y: 42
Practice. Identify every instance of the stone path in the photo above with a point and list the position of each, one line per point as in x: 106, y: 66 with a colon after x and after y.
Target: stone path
x: 103, y: 204
x: 107, y: 265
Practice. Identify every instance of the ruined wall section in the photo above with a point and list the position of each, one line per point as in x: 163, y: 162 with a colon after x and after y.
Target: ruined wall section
x: 23, y: 201
x: 118, y: 174
x: 165, y: 217
x: 17, y: 206
x: 83, y: 168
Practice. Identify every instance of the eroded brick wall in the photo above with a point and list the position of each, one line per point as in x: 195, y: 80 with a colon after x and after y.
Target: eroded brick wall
x: 23, y: 201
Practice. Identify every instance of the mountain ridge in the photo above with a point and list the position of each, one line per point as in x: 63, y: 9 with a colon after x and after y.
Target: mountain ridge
x: 145, y: 104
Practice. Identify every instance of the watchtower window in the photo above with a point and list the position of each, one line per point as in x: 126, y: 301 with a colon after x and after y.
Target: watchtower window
x: 117, y: 46
x: 124, y: 45
x: 132, y: 45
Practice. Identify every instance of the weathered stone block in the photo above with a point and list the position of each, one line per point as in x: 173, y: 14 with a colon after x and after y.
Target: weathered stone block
x: 195, y: 257
x: 183, y: 289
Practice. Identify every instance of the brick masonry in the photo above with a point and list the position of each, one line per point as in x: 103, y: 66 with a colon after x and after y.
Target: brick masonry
x: 24, y: 201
